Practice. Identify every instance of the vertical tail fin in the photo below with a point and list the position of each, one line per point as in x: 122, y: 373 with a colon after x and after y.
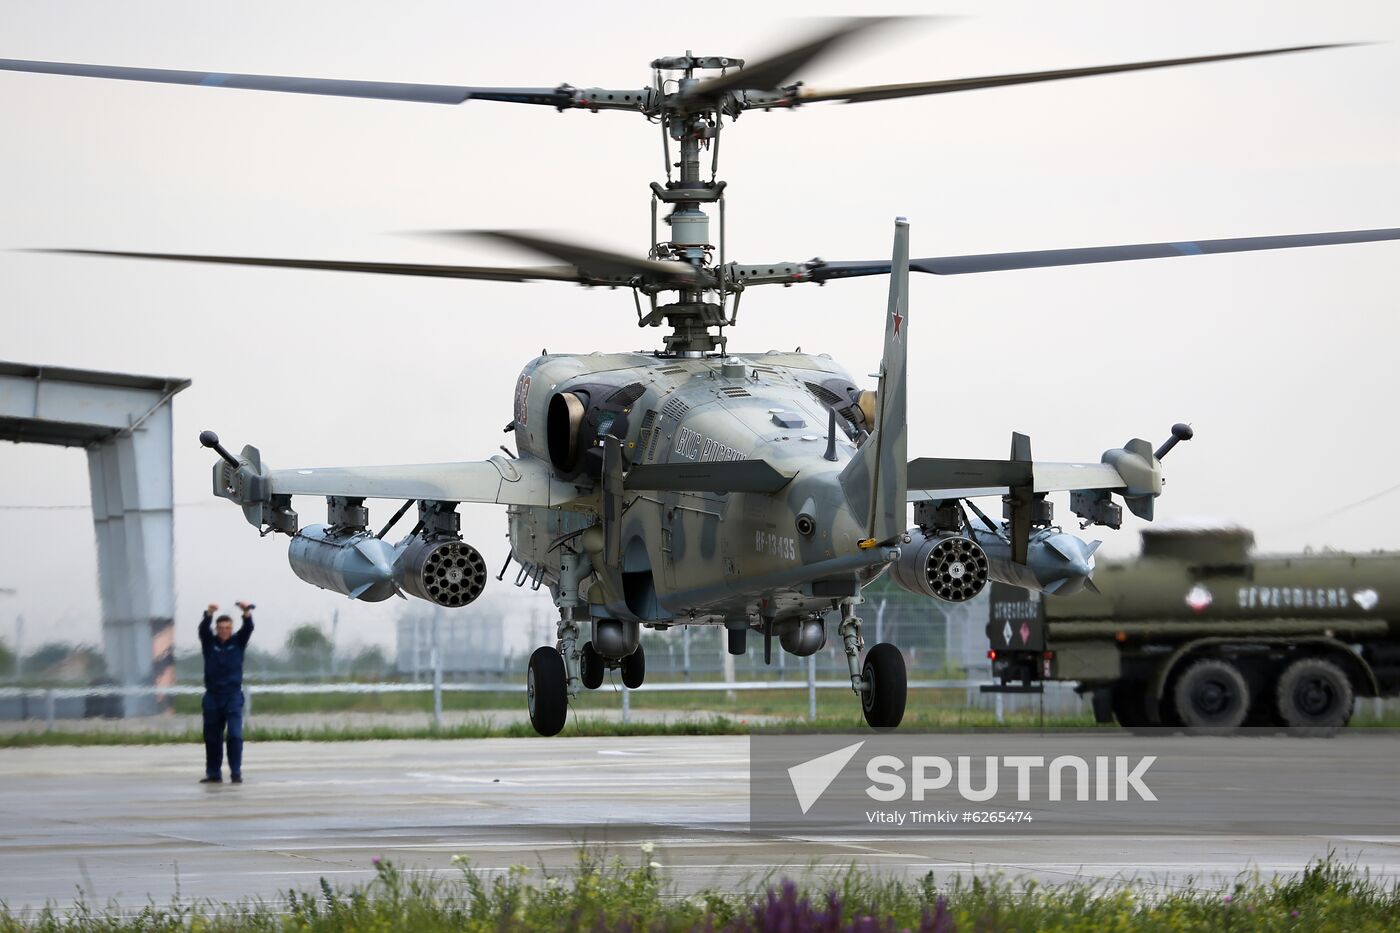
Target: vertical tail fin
x: 875, y: 480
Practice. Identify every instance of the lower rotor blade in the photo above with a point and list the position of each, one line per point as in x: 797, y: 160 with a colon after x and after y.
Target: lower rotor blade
x: 1045, y: 258
x: 890, y: 91
x: 596, y: 263
x: 377, y: 90
x: 489, y: 273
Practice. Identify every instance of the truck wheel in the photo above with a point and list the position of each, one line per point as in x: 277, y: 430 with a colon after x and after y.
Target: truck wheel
x: 590, y: 667
x: 547, y: 686
x: 887, y: 686
x: 1314, y: 693
x: 1211, y: 694
x: 634, y: 669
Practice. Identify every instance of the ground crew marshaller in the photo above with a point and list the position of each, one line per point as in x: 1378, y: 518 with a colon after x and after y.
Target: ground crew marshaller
x: 223, y: 691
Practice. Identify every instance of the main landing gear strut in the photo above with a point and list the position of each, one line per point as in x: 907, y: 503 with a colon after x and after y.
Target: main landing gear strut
x: 553, y: 676
x: 882, y: 683
x: 556, y: 674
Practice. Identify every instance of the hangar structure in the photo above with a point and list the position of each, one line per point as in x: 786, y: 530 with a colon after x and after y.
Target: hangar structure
x: 124, y: 423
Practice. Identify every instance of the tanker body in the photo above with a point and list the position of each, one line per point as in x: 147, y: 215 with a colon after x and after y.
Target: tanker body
x: 1199, y: 632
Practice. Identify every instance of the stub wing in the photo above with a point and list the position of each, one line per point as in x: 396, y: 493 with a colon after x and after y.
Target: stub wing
x: 1133, y: 472
x: 499, y: 480
x: 266, y: 494
x: 943, y: 478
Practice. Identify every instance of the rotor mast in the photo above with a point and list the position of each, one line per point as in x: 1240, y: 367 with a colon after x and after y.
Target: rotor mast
x: 691, y: 124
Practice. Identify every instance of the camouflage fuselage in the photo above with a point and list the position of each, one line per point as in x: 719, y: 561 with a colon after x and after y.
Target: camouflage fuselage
x: 703, y: 557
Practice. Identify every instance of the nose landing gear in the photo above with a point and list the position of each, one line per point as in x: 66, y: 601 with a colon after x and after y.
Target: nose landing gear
x: 593, y: 667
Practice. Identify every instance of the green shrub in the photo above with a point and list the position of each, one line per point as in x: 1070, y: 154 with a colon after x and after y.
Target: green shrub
x: 605, y: 893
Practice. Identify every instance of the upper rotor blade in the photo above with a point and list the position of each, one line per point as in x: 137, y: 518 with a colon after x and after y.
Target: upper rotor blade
x: 773, y: 71
x: 889, y: 91
x: 1045, y: 258
x: 489, y: 273
x: 594, y: 262
x: 378, y: 90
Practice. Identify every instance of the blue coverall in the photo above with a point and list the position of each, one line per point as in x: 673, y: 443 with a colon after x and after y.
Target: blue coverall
x: 223, y: 695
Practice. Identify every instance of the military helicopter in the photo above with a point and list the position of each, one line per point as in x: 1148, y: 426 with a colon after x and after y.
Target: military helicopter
x: 689, y: 485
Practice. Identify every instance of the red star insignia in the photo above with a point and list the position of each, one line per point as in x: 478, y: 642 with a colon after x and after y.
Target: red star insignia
x: 898, y: 319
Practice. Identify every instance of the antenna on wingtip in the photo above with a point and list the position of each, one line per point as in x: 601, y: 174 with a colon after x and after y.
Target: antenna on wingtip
x: 211, y: 440
x: 1180, y: 432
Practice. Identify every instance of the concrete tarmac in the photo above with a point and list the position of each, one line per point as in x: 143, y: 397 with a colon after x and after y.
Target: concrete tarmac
x: 128, y: 825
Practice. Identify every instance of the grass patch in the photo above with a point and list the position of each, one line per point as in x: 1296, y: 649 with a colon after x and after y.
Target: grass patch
x: 579, y: 724
x: 480, y: 729
x: 780, y: 702
x: 948, y: 706
x: 603, y: 894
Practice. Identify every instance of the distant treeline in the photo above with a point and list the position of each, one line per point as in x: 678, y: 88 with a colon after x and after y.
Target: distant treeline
x: 306, y: 652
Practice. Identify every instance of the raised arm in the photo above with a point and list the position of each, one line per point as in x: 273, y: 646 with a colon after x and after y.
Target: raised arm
x: 245, y: 631
x: 206, y: 625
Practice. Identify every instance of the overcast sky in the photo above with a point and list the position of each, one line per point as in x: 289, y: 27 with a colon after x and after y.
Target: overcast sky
x: 1285, y: 362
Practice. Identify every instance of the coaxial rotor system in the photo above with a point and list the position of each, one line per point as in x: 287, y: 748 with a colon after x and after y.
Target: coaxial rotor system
x: 692, y: 98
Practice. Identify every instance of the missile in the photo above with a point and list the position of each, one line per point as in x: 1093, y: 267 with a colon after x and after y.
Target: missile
x: 351, y: 561
x: 357, y: 565
x: 1056, y: 562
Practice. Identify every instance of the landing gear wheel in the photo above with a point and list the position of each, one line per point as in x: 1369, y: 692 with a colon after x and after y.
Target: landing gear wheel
x: 1316, y: 694
x: 591, y: 666
x: 634, y: 669
x: 547, y: 687
x: 887, y: 686
x: 1211, y: 694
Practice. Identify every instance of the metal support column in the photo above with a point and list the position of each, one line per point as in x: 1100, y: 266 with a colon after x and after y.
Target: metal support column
x: 124, y: 423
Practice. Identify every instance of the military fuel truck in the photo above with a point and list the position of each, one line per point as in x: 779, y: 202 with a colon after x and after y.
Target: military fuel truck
x: 1198, y: 632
